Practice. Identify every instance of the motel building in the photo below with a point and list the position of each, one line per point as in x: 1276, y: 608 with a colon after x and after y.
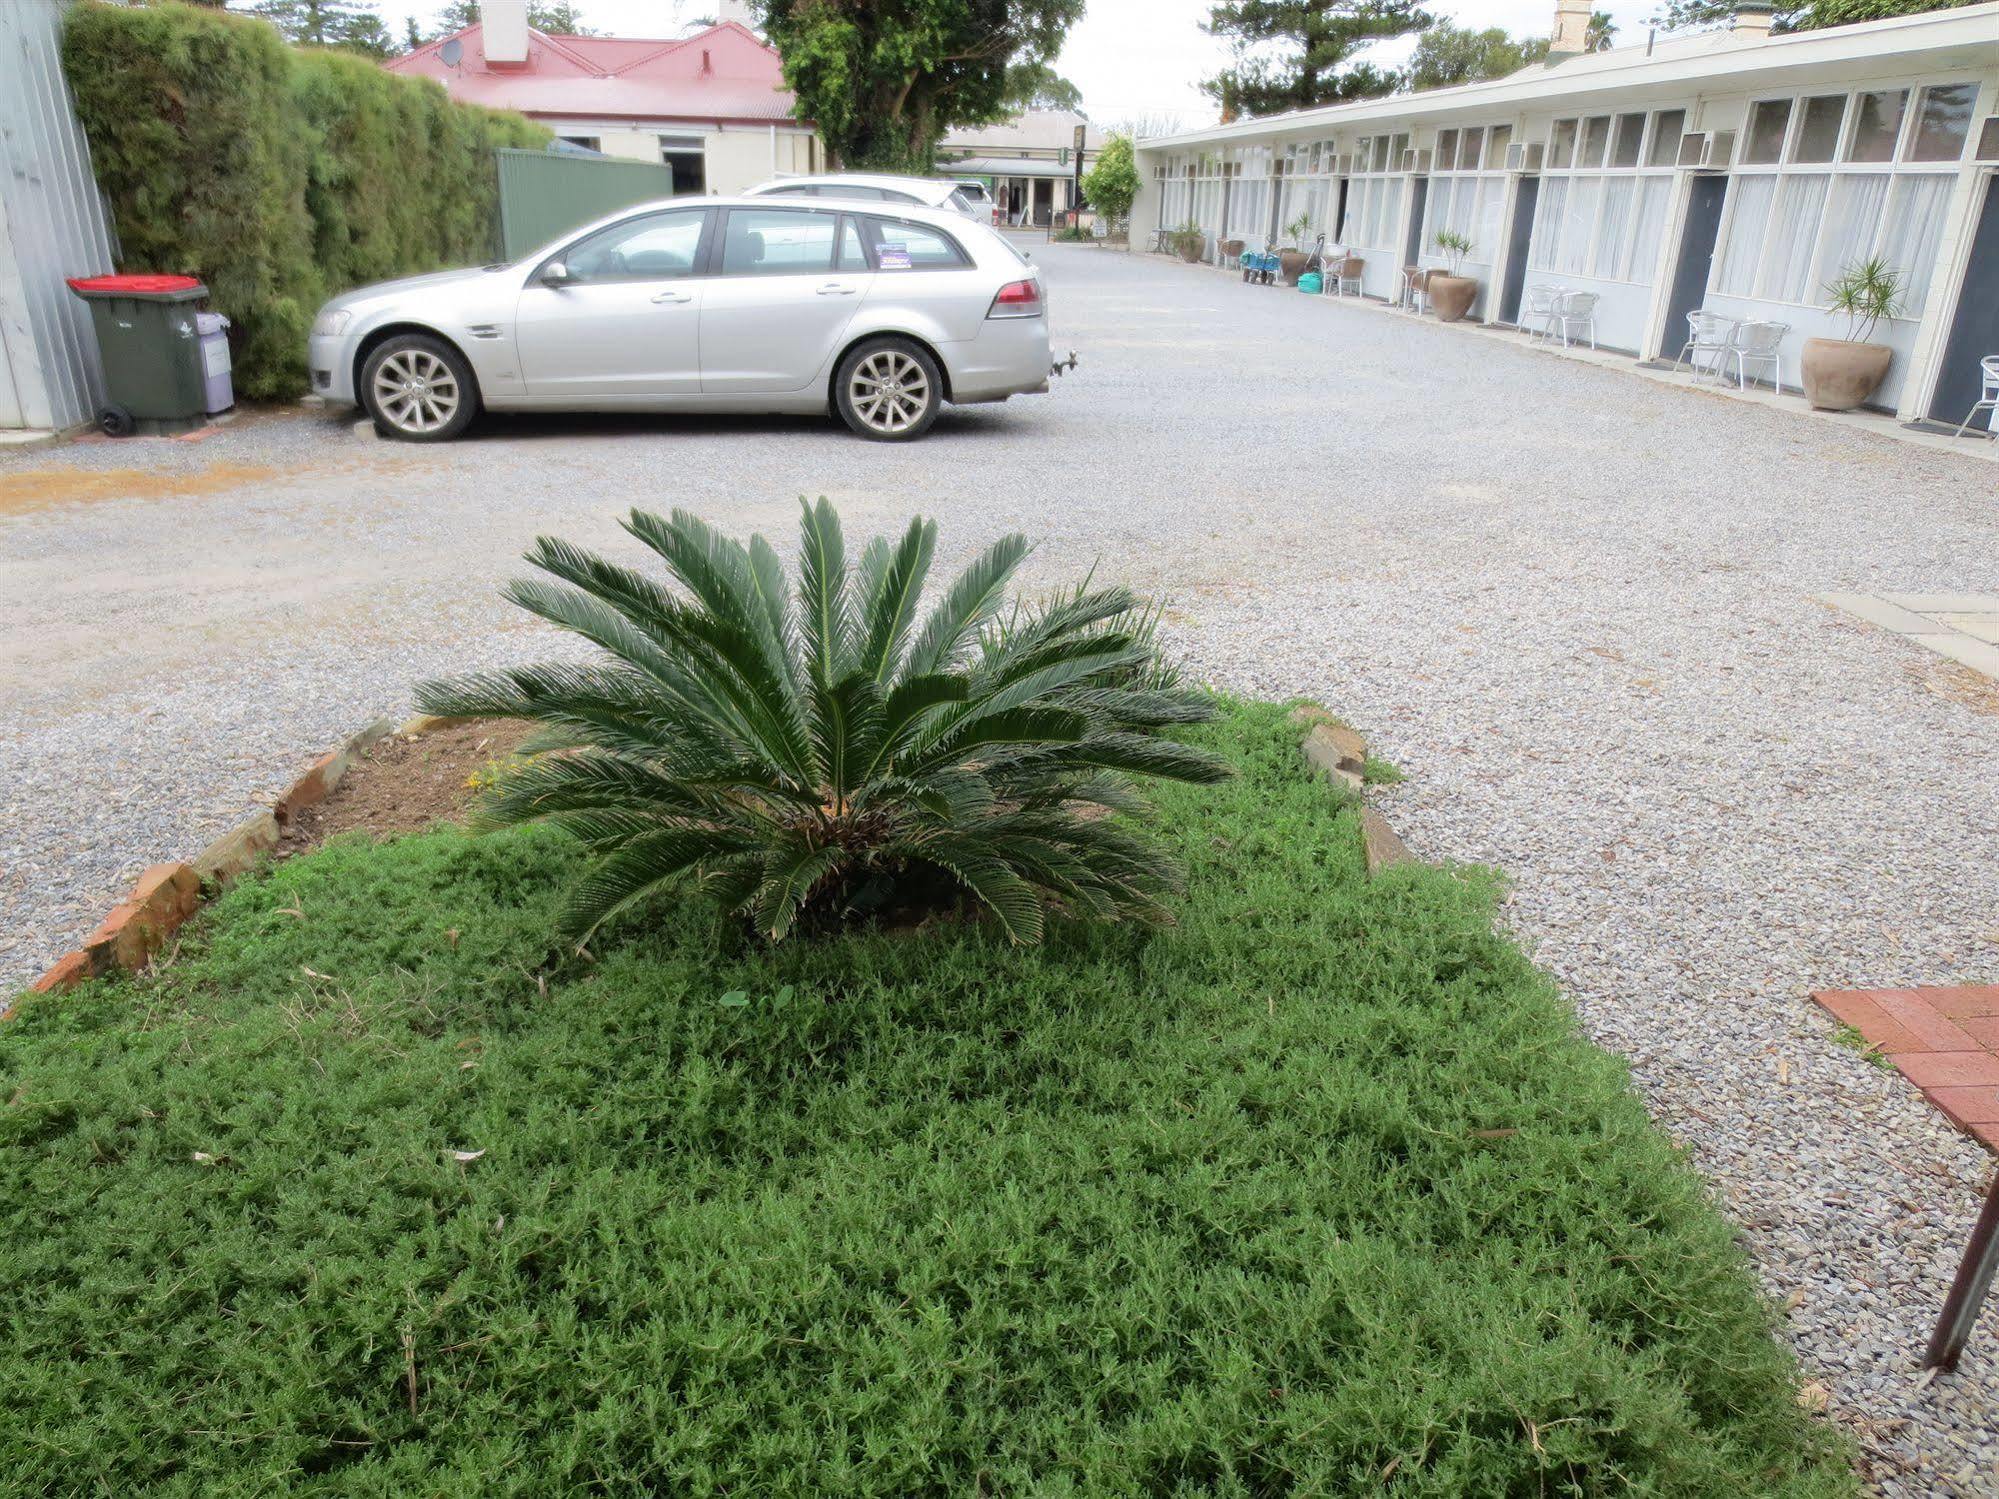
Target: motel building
x: 1733, y: 171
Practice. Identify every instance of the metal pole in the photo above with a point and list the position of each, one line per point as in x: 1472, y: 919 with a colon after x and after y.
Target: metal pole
x: 1967, y: 1291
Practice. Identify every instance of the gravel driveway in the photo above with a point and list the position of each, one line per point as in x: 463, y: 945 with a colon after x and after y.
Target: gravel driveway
x: 1575, y: 606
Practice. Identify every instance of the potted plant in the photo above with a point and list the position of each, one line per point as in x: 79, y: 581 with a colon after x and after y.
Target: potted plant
x: 1190, y: 241
x: 1840, y: 373
x: 1452, y: 292
x: 1291, y: 260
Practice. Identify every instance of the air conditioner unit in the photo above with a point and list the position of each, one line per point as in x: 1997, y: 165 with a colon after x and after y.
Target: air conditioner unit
x: 1988, y: 140
x: 1709, y: 148
x: 1537, y: 153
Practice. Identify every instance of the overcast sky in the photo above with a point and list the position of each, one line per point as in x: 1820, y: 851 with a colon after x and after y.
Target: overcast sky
x: 1129, y: 57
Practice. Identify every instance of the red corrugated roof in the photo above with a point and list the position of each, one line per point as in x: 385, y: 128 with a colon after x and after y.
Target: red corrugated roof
x: 723, y: 73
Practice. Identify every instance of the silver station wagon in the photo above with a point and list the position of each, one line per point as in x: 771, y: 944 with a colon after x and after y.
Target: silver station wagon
x: 878, y: 313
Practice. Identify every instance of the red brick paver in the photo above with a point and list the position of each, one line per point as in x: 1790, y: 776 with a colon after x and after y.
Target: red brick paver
x: 1944, y: 1040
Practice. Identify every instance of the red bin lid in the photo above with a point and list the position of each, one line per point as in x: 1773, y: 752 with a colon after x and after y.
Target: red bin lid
x: 134, y: 286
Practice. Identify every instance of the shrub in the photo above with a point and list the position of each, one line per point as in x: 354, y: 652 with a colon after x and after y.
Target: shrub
x: 279, y: 175
x: 818, y: 756
x: 1111, y: 183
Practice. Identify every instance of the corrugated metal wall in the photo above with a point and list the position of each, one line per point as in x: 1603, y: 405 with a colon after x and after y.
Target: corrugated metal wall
x: 544, y: 194
x: 52, y: 225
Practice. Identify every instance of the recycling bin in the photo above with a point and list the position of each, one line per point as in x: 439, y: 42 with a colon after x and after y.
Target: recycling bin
x: 217, y: 390
x: 150, y: 346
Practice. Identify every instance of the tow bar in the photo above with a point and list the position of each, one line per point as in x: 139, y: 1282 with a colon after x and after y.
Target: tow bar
x: 1060, y: 365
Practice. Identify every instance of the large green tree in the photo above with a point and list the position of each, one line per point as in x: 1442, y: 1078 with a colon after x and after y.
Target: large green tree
x: 1815, y: 15
x: 1448, y: 54
x: 349, y: 24
x: 550, y: 17
x: 1293, y: 54
x: 1112, y: 182
x: 885, y: 79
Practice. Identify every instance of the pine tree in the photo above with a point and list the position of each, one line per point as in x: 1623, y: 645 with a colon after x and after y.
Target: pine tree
x: 351, y: 24
x: 1315, y: 41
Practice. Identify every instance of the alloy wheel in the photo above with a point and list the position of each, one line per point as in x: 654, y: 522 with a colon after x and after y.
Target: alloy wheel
x: 415, y: 391
x: 889, y: 391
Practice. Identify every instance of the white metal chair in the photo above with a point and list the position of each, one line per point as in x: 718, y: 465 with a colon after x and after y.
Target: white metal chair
x: 1575, y: 312
x: 1539, y: 317
x: 1707, y: 333
x: 1755, y: 342
x: 1415, y: 294
x: 1988, y: 394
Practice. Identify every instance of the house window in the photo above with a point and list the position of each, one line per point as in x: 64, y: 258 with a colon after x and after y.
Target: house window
x: 1603, y: 216
x: 687, y: 155
x: 1467, y: 195
x: 587, y: 142
x: 1668, y: 125
x: 1792, y: 228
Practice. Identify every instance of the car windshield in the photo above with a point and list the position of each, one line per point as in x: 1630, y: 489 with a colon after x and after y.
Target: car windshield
x: 961, y: 202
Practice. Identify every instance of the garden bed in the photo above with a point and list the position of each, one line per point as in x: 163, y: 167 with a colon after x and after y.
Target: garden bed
x: 1319, y: 1191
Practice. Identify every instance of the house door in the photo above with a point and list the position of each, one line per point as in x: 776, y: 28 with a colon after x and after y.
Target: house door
x: 1696, y: 257
x: 1044, y: 200
x: 1974, y: 331
x: 1519, y: 236
x: 1419, y: 196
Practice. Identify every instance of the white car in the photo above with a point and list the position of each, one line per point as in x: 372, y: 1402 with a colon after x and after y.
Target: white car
x: 880, y: 187
x: 702, y: 305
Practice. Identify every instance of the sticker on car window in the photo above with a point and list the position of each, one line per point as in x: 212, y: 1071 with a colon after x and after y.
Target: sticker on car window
x: 894, y: 257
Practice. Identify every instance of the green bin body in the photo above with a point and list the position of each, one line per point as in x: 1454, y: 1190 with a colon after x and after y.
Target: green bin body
x: 150, y: 347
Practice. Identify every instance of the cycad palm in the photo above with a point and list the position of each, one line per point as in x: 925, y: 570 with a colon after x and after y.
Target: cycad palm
x: 820, y: 752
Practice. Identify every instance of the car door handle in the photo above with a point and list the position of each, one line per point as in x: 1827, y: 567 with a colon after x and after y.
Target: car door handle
x: 835, y: 289
x: 674, y: 296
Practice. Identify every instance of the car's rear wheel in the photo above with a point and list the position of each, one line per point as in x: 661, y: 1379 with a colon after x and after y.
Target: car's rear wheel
x: 889, y: 389
x: 418, y: 389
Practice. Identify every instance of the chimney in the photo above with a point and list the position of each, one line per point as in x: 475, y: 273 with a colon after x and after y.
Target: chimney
x: 1752, y: 19
x: 505, y: 33
x: 1571, y: 34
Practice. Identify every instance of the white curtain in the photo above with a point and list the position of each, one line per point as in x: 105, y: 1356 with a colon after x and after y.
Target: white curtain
x: 1391, y: 213
x: 1851, y: 221
x: 1748, y: 217
x: 1794, y: 232
x: 1613, y: 240
x: 1578, y: 223
x: 1491, y: 202
x: 1648, y: 228
x: 1548, y: 213
x: 1915, y: 225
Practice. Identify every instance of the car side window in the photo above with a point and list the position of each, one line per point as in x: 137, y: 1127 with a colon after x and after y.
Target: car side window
x: 854, y: 191
x: 652, y: 247
x: 778, y: 241
x: 792, y: 190
x: 853, y: 257
x: 903, y: 246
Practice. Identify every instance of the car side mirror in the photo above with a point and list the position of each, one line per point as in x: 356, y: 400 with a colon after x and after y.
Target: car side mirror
x: 555, y: 273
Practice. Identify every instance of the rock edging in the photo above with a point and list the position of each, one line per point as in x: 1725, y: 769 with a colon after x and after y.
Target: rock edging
x: 167, y: 894
x: 1337, y: 752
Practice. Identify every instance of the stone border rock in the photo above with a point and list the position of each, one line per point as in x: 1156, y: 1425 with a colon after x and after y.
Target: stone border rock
x: 1336, y: 751
x: 167, y: 894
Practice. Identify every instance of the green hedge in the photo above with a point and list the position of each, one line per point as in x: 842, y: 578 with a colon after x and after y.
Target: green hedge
x: 279, y: 175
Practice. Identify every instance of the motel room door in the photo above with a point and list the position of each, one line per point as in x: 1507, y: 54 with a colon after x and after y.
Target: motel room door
x: 1974, y: 329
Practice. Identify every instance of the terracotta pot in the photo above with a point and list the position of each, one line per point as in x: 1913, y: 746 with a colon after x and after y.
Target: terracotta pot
x: 1191, y: 247
x: 1838, y: 374
x: 1290, y: 266
x: 1451, y: 296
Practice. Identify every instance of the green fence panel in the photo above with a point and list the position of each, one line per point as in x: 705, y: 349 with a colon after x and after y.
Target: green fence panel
x: 544, y: 194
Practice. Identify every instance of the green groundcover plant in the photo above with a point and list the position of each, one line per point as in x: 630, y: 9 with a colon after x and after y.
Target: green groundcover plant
x: 827, y: 751
x: 1318, y: 1191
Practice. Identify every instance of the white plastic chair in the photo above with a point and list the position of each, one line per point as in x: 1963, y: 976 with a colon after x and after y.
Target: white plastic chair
x: 1988, y: 395
x: 1707, y: 333
x: 1575, y: 311
x: 1755, y: 342
x: 1539, y: 318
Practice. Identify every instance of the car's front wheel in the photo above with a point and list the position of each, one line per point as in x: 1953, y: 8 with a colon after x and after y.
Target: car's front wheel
x: 889, y: 389
x: 418, y: 389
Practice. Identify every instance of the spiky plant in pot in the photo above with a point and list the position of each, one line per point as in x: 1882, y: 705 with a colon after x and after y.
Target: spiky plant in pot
x: 813, y: 754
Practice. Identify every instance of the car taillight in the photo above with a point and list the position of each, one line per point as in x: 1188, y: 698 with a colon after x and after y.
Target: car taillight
x: 1017, y: 299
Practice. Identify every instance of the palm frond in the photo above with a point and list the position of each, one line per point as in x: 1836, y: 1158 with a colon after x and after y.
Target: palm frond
x: 970, y: 601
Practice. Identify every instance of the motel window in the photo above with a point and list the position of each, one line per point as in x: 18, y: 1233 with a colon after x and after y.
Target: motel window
x: 1668, y: 125
x: 1793, y: 227
x: 1603, y: 214
x: 1467, y: 192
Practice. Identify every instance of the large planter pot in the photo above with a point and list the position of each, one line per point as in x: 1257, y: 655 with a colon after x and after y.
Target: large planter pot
x: 1290, y: 266
x: 1838, y: 374
x: 1191, y: 247
x: 1451, y: 296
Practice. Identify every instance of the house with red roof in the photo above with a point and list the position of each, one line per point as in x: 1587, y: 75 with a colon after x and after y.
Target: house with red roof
x: 712, y: 105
